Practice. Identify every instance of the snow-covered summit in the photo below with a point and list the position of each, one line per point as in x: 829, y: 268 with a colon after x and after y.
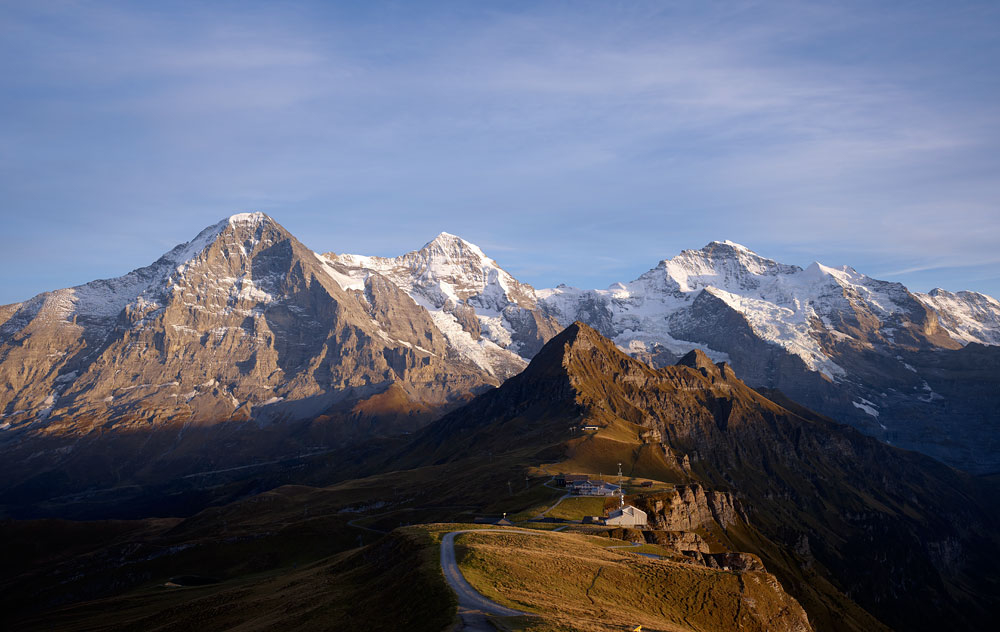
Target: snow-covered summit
x: 101, y: 301
x: 452, y: 247
x: 722, y: 264
x: 733, y: 244
x: 254, y: 217
x: 447, y: 268
x: 783, y: 304
x: 487, y: 315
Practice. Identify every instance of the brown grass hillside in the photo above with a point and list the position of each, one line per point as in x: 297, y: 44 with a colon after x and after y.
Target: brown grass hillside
x: 573, y: 582
x: 393, y: 584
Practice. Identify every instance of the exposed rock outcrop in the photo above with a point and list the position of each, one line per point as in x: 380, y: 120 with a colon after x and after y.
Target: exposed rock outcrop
x: 681, y: 541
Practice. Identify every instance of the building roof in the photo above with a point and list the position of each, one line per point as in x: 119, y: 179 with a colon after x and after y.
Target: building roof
x: 627, y: 510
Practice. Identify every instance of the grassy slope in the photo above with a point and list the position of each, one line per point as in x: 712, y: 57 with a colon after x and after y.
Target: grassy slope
x: 101, y: 566
x: 395, y: 583
x: 576, y: 508
x: 572, y: 582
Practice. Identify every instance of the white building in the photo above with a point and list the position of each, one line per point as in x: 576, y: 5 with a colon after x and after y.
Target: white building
x: 627, y: 516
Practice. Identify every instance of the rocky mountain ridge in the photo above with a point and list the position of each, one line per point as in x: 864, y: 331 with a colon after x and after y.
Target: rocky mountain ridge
x: 911, y: 369
x: 239, y: 322
x: 226, y: 327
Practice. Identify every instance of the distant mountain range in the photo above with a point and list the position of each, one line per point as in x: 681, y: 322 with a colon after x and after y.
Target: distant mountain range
x: 244, y: 338
x: 916, y: 370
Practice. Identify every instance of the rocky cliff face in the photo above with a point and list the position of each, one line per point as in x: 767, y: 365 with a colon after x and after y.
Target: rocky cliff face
x: 691, y: 507
x: 969, y: 317
x: 242, y: 323
x: 683, y: 542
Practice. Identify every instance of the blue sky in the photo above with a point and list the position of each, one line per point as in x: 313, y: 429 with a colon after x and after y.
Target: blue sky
x: 575, y: 142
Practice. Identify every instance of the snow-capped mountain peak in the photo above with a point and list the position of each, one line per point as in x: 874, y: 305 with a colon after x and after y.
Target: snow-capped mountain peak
x: 454, y: 247
x: 99, y: 302
x: 487, y: 315
x: 783, y: 304
x: 724, y: 265
x: 253, y: 217
x: 242, y: 322
x: 447, y: 268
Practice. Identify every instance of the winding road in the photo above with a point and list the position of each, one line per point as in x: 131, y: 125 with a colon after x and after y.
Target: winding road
x: 473, y: 609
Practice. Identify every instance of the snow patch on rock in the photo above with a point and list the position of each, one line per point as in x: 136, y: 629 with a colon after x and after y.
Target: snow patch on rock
x: 966, y: 316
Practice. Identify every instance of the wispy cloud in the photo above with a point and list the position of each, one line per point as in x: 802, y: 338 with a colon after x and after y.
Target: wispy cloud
x: 856, y: 133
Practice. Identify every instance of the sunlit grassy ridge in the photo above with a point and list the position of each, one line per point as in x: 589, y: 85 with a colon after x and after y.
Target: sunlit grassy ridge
x: 572, y: 582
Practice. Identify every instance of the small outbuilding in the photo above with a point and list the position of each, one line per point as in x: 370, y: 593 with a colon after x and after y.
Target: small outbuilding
x: 627, y: 516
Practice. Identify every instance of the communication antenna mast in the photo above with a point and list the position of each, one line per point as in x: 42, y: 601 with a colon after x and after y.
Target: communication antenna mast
x: 621, y: 488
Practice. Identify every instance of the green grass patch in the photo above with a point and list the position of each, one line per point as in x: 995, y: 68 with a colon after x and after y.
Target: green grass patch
x: 651, y: 549
x: 575, y: 508
x: 541, y: 526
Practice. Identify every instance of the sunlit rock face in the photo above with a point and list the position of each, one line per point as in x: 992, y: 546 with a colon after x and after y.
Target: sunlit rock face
x: 215, y: 354
x: 242, y: 320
